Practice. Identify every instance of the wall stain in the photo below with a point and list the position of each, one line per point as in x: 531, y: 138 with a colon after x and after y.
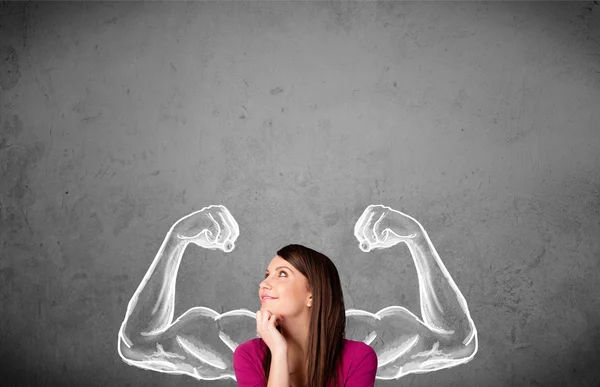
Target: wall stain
x: 11, y: 130
x: 10, y: 74
x: 345, y: 14
x: 331, y: 219
x: 16, y: 162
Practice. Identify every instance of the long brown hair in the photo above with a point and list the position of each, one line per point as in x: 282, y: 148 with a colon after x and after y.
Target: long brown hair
x: 328, y: 315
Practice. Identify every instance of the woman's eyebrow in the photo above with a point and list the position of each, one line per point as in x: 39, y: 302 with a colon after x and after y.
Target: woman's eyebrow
x: 281, y: 267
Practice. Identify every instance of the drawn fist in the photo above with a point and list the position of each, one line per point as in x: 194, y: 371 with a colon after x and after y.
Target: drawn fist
x: 212, y: 227
x: 380, y: 227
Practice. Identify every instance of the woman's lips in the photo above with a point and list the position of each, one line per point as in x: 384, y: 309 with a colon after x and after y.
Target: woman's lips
x: 267, y: 299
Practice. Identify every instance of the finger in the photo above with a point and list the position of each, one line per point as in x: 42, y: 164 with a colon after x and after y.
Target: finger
x: 229, y: 237
x: 262, y: 324
x: 368, y: 230
x: 216, y: 224
x: 264, y: 317
x: 365, y: 246
x: 360, y: 223
x: 258, y: 323
x: 377, y: 227
x: 219, y: 230
x: 272, y: 323
x: 359, y: 232
x: 236, y: 227
x: 230, y: 223
x: 228, y: 218
x: 227, y: 229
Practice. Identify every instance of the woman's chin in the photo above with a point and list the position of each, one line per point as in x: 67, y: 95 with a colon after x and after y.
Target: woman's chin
x: 270, y: 310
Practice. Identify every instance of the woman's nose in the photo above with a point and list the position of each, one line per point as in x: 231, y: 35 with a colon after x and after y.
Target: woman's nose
x: 266, y: 284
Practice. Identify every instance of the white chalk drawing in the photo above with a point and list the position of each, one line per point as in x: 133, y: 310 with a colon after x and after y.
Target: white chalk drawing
x: 200, y: 343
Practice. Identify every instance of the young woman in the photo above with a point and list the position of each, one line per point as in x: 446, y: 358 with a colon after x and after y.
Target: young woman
x: 301, y: 326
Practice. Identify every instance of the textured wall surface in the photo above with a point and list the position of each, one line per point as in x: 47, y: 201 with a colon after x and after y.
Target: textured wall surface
x: 481, y: 120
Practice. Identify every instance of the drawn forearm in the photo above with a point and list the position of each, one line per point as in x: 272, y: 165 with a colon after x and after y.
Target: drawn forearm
x: 152, y: 305
x: 443, y: 307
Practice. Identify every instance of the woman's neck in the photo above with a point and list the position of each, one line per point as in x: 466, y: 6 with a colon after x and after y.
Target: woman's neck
x: 295, y: 331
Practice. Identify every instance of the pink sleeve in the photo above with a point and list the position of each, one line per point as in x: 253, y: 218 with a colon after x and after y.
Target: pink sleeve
x: 365, y: 370
x: 246, y: 372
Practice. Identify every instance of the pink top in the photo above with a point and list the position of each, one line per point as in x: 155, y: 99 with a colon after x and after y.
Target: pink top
x: 359, y: 364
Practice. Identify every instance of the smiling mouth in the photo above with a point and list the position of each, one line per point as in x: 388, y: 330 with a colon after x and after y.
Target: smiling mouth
x: 267, y: 299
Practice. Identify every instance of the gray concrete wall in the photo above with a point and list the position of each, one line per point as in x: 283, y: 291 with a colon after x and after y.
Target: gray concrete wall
x: 481, y: 120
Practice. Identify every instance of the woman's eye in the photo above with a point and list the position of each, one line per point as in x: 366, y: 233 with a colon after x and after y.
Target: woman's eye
x: 266, y: 275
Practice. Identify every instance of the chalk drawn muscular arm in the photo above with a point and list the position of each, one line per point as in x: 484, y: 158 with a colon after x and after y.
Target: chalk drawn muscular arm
x: 446, y: 336
x: 193, y: 344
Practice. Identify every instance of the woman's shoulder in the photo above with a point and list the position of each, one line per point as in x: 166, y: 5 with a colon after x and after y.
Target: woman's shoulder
x: 360, y: 362
x: 253, y: 347
x: 356, y: 351
x: 357, y: 346
x: 247, y: 362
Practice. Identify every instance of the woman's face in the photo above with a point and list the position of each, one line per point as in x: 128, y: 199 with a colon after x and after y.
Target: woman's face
x: 288, y: 287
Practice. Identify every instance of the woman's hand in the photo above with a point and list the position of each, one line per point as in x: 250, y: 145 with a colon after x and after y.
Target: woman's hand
x: 266, y: 323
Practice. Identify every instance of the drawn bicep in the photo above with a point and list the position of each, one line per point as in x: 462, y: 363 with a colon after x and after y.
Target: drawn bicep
x: 194, y: 344
x: 402, y: 342
x: 236, y: 327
